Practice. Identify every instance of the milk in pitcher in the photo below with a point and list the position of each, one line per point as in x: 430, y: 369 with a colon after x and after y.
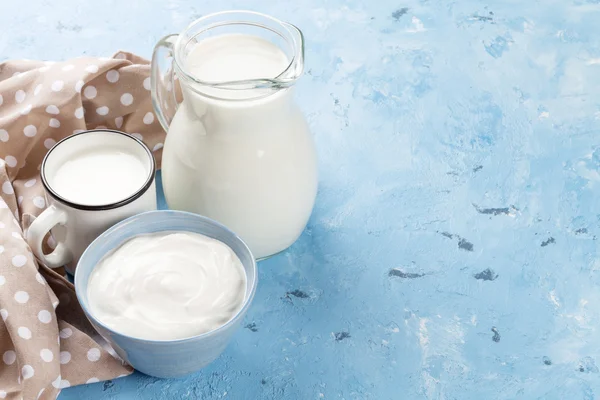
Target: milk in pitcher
x: 243, y: 157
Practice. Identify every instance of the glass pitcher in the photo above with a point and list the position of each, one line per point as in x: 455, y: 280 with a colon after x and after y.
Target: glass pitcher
x: 238, y: 148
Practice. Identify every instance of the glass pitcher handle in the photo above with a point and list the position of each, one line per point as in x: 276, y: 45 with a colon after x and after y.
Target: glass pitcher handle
x: 162, y: 81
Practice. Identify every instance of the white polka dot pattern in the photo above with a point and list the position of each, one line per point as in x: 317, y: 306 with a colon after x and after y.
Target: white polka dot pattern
x: 52, y: 109
x: 93, y: 354
x: 90, y: 92
x: 47, y: 103
x: 39, y: 202
x: 21, y: 297
x: 79, y: 85
x: 65, y: 357
x: 7, y: 188
x: 27, y: 371
x: 79, y: 113
x: 9, y: 357
x: 56, y: 382
x: 45, y: 317
x: 19, y: 260
x: 148, y: 118
x: 24, y: 332
x: 66, y: 333
x: 102, y: 110
x: 20, y: 96
x: 30, y: 131
x: 11, y: 161
x: 46, y: 355
x: 112, y: 76
x: 40, y: 279
x: 57, y: 86
x: 49, y: 143
x: 127, y: 99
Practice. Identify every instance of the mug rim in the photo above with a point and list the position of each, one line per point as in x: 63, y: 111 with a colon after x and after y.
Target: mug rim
x: 110, y: 231
x: 99, y: 207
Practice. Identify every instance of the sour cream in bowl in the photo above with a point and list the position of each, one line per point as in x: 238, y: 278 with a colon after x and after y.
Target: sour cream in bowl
x: 167, y: 289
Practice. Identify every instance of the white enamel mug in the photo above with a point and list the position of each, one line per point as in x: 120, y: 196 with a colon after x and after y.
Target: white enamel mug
x: 75, y: 225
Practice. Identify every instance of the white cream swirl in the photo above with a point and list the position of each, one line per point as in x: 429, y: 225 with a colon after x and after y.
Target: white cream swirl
x: 167, y: 285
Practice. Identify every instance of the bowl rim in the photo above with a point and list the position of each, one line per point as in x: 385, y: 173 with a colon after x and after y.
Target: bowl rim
x: 110, y: 231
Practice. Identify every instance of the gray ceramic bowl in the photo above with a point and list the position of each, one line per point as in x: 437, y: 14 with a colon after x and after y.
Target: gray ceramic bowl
x: 166, y: 358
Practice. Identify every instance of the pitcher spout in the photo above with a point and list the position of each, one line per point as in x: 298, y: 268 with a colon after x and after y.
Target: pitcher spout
x: 284, y: 37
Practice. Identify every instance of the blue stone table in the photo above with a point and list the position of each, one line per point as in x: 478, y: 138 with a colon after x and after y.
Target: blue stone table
x: 452, y: 252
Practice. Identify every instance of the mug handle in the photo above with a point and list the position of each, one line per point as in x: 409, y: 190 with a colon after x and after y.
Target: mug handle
x: 49, y: 218
x: 162, y: 81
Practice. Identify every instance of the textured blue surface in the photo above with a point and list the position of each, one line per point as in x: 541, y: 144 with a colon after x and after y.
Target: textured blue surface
x: 452, y: 253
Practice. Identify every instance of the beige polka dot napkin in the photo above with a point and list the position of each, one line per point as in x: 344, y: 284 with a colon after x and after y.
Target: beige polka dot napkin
x: 46, y: 343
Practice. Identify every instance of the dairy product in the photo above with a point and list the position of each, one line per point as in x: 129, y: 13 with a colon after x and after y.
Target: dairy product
x: 99, y: 176
x: 235, y: 58
x: 167, y: 285
x: 245, y: 158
